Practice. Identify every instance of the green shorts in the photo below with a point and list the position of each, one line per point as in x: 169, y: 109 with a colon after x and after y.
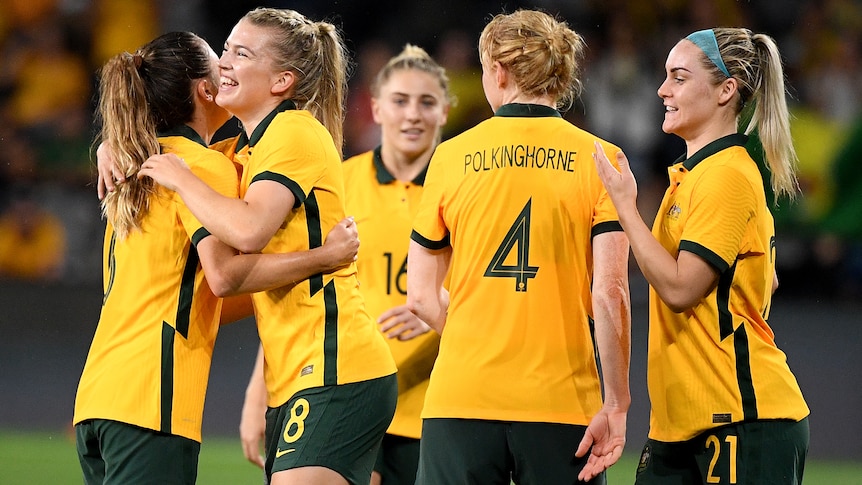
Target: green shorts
x: 111, y: 452
x: 336, y: 427
x: 398, y: 460
x: 471, y: 451
x: 761, y: 452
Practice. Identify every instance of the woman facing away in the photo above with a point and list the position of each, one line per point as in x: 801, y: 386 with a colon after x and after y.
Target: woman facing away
x: 329, y: 374
x: 140, y: 400
x: 515, y: 210
x: 725, y: 406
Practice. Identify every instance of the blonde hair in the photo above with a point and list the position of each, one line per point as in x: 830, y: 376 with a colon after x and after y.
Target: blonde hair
x: 413, y: 58
x: 755, y: 62
x: 141, y: 94
x: 315, y: 53
x: 543, y: 54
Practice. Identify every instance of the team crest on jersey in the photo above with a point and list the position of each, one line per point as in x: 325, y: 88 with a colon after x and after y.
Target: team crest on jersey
x: 644, y: 461
x: 674, y: 212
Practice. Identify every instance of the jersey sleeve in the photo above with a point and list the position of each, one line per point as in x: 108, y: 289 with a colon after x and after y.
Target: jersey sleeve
x: 722, y: 205
x: 429, y: 227
x: 605, y: 217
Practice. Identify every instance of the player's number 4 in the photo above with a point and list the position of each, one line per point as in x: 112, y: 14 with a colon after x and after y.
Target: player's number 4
x: 518, y: 235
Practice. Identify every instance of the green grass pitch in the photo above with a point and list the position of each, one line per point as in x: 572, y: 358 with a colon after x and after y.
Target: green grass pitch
x: 43, y: 458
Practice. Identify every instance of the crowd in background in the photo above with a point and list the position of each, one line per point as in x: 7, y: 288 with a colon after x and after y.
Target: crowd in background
x: 50, y: 226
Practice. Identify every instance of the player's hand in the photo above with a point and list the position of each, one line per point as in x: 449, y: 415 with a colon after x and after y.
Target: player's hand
x: 620, y: 184
x: 109, y: 173
x: 165, y: 169
x: 252, y: 426
x: 399, y: 323
x: 604, y: 439
x: 342, y: 243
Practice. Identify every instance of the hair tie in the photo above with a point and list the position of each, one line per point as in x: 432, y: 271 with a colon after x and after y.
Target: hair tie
x: 705, y: 39
x: 137, y: 60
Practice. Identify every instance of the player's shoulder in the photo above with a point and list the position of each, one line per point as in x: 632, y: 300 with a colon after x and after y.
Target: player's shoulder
x: 606, y: 145
x: 198, y: 155
x: 732, y: 163
x: 297, y: 132
x: 203, y: 161
x: 293, y: 121
x: 362, y: 163
x: 359, y: 159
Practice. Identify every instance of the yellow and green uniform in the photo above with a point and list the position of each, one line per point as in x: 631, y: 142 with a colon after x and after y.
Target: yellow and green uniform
x: 149, y: 361
x: 383, y: 208
x: 519, y: 200
x: 316, y: 332
x: 717, y: 363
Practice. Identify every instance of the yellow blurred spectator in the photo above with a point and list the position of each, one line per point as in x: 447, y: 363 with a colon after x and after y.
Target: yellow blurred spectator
x: 122, y: 25
x: 52, y: 82
x: 32, y: 240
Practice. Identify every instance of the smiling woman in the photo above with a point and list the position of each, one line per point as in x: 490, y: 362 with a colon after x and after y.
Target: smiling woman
x: 710, y: 262
x: 272, y: 55
x: 410, y: 102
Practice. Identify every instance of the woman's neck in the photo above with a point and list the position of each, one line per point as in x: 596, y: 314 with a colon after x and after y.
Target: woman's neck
x: 250, y: 120
x: 201, y: 127
x: 721, y: 126
x: 518, y: 97
x: 404, y: 167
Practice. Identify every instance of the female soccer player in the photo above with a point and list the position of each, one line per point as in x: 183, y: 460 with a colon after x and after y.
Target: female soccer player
x: 328, y: 371
x: 410, y: 101
x: 515, y: 210
x: 725, y: 406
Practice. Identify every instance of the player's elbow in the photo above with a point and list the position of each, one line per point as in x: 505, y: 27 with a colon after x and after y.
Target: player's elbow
x: 419, y: 305
x: 426, y: 309
x: 251, y: 242
x: 679, y: 301
x: 613, y: 293
x: 221, y: 284
x: 414, y: 304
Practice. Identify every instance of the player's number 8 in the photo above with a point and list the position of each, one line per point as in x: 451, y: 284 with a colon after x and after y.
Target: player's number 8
x: 296, y: 424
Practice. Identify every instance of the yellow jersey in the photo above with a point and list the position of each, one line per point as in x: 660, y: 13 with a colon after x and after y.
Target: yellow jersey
x: 149, y: 361
x: 519, y: 200
x: 717, y: 363
x: 316, y: 332
x: 383, y: 208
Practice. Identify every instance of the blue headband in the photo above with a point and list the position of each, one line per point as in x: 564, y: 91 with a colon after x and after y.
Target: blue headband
x: 705, y: 39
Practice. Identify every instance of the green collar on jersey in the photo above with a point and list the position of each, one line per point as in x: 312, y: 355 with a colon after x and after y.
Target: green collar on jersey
x: 184, y: 131
x: 383, y: 174
x: 736, y: 139
x: 521, y: 110
x: 285, y: 105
